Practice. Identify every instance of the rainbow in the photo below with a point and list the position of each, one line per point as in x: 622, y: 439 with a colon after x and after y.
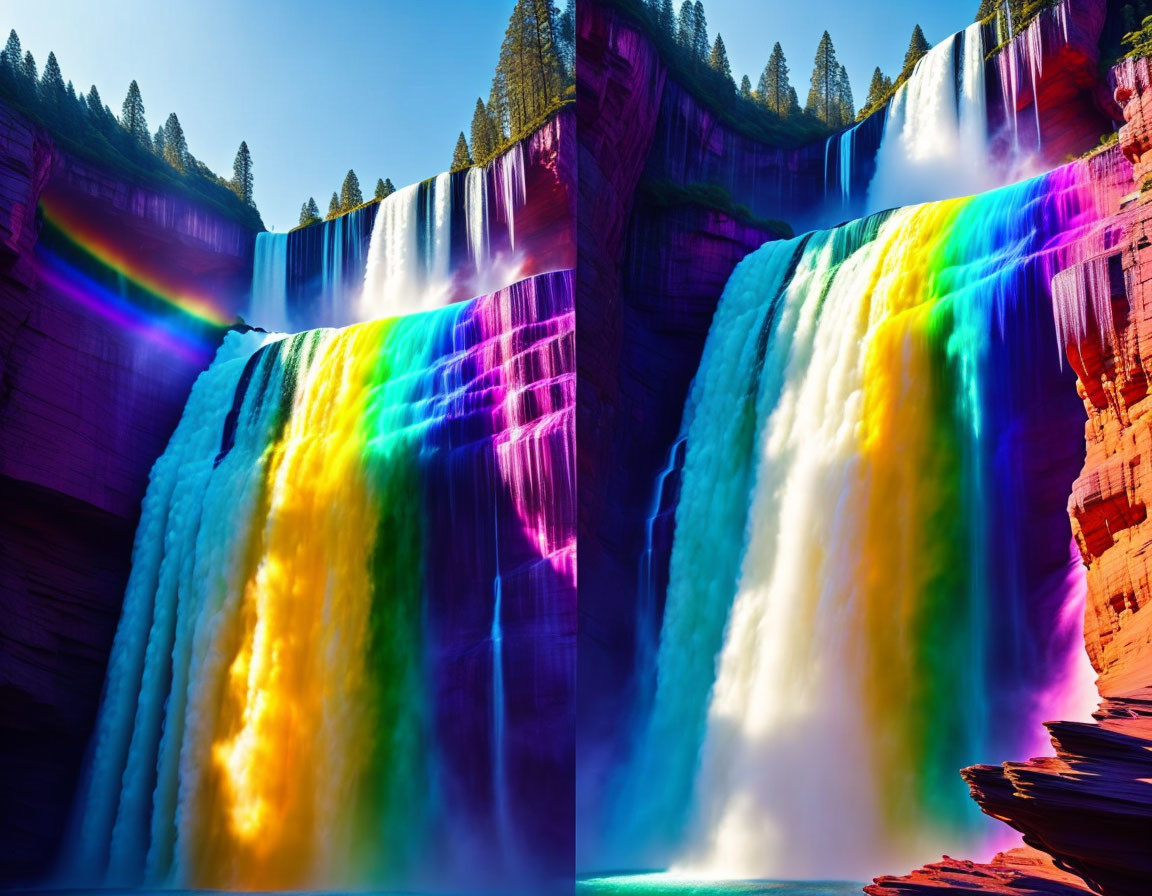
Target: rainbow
x: 347, y: 642
x: 871, y: 570
x: 99, y: 249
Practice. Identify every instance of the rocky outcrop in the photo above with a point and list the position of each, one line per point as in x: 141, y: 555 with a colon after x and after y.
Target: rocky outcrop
x: 1018, y: 872
x: 87, y: 403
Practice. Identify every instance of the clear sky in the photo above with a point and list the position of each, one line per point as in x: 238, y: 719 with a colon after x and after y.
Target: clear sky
x: 865, y: 33
x: 315, y: 86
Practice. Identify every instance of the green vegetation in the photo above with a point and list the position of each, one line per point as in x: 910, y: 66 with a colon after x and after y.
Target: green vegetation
x: 82, y: 125
x: 535, y: 76
x: 753, y: 113
x: 1010, y: 18
x: 461, y: 157
x: 309, y: 213
x: 668, y: 194
x: 1139, y: 41
x: 882, y: 87
x: 1125, y: 33
x: 830, y: 98
x: 384, y: 188
x: 350, y: 195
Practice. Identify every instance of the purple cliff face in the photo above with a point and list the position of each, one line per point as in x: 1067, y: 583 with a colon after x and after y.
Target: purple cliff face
x: 86, y: 407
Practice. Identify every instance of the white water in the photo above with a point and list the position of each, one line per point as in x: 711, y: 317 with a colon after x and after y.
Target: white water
x: 164, y: 593
x: 268, y: 308
x: 409, y: 268
x: 935, y: 147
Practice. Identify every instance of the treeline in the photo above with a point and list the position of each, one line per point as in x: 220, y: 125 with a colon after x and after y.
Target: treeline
x: 535, y: 75
x: 347, y: 198
x: 86, y: 126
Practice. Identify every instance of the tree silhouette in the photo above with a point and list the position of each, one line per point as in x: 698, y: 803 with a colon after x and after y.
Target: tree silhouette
x: 243, y: 182
x: 773, y: 88
x: 718, y: 59
x: 176, y: 147
x: 132, y: 117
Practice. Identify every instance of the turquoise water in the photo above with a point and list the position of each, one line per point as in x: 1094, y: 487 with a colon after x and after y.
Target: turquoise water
x: 662, y: 884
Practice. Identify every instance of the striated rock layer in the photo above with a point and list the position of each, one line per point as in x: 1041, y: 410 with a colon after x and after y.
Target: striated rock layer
x: 89, y: 395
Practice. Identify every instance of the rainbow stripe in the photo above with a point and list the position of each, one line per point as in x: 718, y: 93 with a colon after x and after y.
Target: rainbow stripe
x: 347, y: 644
x: 104, y: 248
x: 871, y: 572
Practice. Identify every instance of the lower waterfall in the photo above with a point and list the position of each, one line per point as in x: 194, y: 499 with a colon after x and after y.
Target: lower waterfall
x: 870, y: 575
x: 324, y: 675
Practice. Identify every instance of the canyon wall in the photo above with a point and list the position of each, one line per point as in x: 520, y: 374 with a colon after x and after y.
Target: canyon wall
x: 87, y: 403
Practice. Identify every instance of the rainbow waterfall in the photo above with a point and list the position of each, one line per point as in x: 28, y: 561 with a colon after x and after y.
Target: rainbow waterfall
x: 871, y: 570
x: 346, y: 653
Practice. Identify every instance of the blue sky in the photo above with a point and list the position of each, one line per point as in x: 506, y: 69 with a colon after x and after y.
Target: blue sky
x: 314, y: 87
x: 381, y: 86
x: 866, y: 33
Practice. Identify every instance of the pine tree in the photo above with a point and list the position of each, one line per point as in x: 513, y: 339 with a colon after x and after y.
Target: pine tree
x: 484, y: 142
x: 566, y: 40
x: 388, y: 188
x: 845, y: 106
x: 686, y: 25
x: 773, y: 88
x: 917, y: 48
x: 309, y: 212
x: 176, y: 147
x: 666, y: 18
x: 243, y: 183
x: 132, y: 117
x: 822, y: 97
x: 158, y: 142
x: 52, y: 88
x: 878, y: 89
x: 718, y: 59
x: 530, y: 76
x: 379, y: 193
x: 745, y: 88
x: 13, y: 53
x: 28, y: 70
x: 96, y: 109
x: 333, y: 206
x: 461, y: 157
x: 700, y: 33
x: 350, y: 195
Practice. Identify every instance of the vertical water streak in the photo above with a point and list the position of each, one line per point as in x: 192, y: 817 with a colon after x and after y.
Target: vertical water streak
x: 268, y: 308
x: 932, y: 146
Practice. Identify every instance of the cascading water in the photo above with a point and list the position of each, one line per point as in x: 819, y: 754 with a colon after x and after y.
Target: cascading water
x: 269, y: 303
x: 299, y: 693
x: 935, y: 135
x: 865, y: 582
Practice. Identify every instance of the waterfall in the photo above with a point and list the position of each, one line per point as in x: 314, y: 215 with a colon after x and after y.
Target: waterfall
x: 268, y: 307
x: 291, y: 700
x: 934, y: 144
x: 409, y: 259
x: 861, y: 592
